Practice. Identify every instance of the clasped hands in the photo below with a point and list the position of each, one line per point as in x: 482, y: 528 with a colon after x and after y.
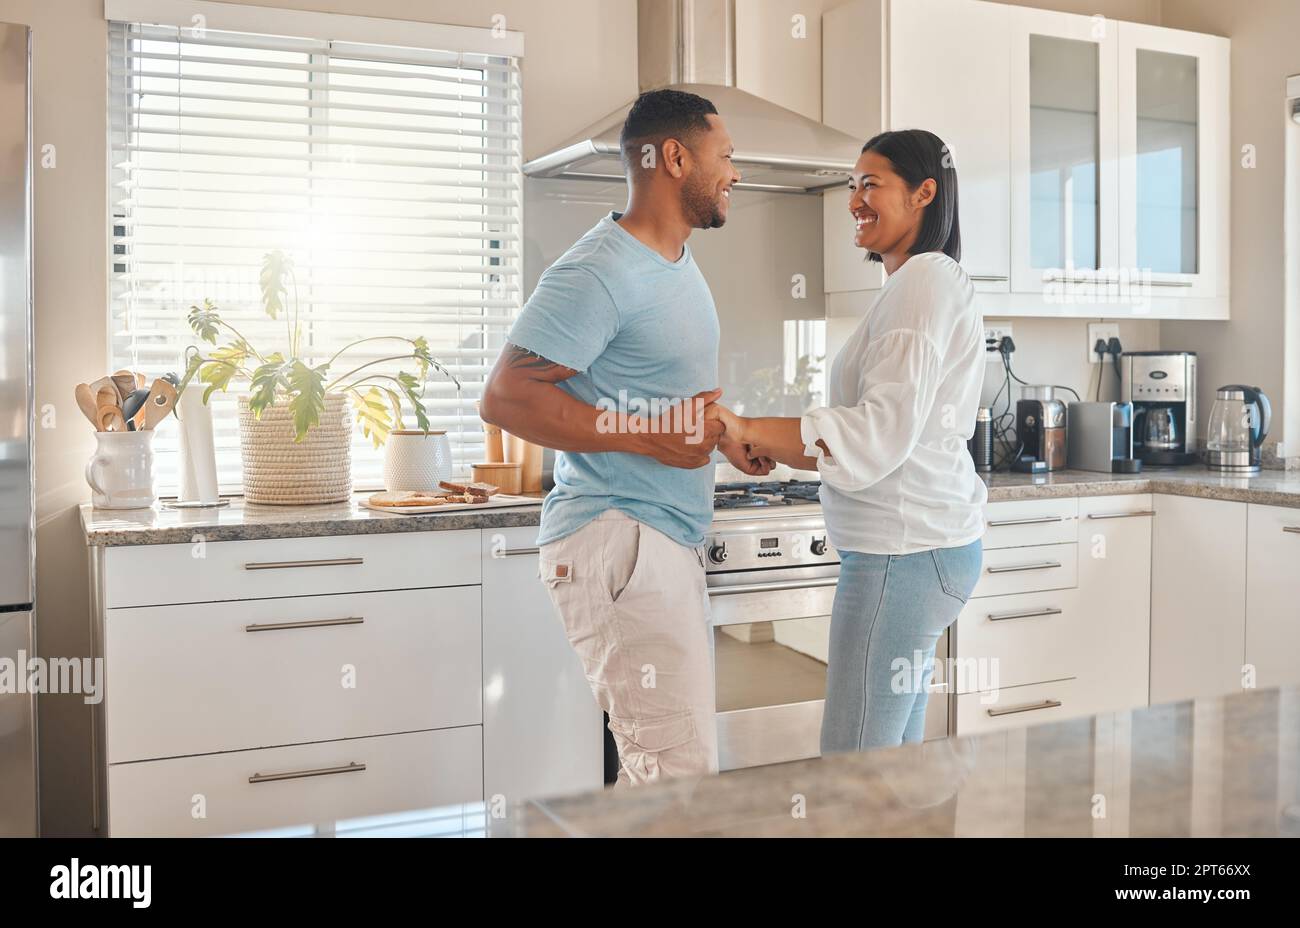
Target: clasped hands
x: 687, y: 441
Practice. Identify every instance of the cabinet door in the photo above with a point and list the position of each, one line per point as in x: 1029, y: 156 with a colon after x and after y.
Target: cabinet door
x: 543, y: 734
x: 949, y: 74
x: 1273, y: 595
x: 1198, y: 598
x: 1115, y: 586
x: 1064, y: 227
x: 1174, y: 172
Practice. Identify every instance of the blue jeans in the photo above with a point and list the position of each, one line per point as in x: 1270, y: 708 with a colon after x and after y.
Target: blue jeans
x: 890, y: 610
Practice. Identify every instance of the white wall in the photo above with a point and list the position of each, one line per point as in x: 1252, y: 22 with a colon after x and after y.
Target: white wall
x: 580, y: 65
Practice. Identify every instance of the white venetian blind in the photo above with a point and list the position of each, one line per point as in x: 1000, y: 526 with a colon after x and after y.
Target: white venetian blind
x: 390, y: 176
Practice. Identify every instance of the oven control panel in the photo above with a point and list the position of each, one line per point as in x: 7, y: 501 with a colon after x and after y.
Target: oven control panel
x: 747, y: 550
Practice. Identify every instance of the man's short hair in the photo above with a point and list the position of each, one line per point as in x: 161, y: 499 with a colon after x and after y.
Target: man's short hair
x: 662, y: 114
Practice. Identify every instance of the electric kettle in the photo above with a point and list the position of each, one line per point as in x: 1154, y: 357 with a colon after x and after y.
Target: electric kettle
x: 1239, y: 422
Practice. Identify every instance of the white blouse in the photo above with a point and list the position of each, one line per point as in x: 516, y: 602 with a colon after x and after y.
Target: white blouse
x: 904, y: 392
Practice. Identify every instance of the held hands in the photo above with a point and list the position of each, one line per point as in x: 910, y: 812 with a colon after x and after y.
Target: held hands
x: 686, y: 436
x: 742, y: 455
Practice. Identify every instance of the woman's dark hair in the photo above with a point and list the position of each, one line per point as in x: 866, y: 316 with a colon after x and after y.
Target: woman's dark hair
x: 916, y: 155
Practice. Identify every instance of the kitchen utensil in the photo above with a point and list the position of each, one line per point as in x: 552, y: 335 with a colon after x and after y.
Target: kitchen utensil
x: 507, y: 476
x: 529, y: 456
x: 86, y: 403
x: 101, y: 383
x: 416, y: 460
x: 120, y: 472
x: 131, y: 407
x: 1238, y: 424
x: 125, y: 381
x: 161, y: 401
x: 107, y: 412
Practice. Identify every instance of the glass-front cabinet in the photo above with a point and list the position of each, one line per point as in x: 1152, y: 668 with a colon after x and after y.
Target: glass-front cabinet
x: 1064, y: 222
x: 1174, y: 165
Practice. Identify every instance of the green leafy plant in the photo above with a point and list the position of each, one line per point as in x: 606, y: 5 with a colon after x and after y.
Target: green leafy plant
x: 285, y: 377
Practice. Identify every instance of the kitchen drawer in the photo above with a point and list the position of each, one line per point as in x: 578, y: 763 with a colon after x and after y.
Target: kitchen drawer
x: 161, y: 798
x: 1017, y: 523
x: 1026, y: 570
x: 1018, y: 707
x: 1013, y: 640
x: 150, y: 575
x: 194, y: 679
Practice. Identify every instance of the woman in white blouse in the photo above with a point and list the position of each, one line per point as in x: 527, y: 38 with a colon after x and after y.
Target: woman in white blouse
x: 902, y: 501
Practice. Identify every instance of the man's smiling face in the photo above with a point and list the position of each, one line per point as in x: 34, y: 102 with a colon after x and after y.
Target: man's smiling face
x: 706, y: 191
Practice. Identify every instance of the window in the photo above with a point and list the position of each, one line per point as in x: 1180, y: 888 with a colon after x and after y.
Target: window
x: 390, y: 175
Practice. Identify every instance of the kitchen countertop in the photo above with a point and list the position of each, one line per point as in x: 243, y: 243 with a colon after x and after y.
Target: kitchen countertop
x: 1215, y: 767
x: 242, y: 521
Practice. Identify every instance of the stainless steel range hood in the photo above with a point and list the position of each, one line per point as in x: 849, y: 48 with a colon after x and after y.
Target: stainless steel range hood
x: 689, y: 45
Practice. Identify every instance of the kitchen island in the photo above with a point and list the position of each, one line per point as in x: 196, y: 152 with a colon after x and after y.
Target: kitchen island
x: 1220, y: 767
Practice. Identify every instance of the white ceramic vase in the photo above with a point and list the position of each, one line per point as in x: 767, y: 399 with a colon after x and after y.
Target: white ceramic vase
x: 120, y: 472
x: 415, y: 460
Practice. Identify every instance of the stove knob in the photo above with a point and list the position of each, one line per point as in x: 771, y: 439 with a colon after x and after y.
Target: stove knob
x: 718, y: 552
x: 818, y: 547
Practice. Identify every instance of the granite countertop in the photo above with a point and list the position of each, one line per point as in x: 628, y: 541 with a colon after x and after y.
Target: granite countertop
x: 242, y: 521
x: 1214, y: 767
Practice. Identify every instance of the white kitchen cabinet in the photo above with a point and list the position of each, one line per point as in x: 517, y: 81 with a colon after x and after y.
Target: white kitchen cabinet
x: 543, y: 732
x: 1273, y: 594
x: 1021, y: 522
x: 1018, y: 706
x: 1113, y: 646
x: 1174, y: 168
x: 1198, y: 598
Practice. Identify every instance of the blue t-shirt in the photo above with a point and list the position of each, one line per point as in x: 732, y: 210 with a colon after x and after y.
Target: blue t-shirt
x: 635, y: 325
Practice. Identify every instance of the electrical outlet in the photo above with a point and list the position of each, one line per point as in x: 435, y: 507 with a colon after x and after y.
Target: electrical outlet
x: 993, y: 333
x: 1103, y: 330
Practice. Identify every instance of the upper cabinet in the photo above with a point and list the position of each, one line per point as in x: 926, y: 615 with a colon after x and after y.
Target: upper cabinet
x: 1092, y: 154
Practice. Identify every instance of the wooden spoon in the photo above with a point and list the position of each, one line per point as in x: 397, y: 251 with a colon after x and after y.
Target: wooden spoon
x: 86, y: 403
x: 161, y: 401
x: 124, y: 380
x: 107, y: 413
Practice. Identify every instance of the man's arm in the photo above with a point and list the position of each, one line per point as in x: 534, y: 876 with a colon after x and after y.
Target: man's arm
x: 522, y: 397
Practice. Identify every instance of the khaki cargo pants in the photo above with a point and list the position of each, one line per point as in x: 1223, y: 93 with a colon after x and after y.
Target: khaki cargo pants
x: 635, y: 608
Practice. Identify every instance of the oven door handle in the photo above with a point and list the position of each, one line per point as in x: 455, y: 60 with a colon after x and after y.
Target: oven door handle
x: 773, y: 587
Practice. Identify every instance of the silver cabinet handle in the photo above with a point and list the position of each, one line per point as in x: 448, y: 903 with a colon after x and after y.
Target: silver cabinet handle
x: 353, y: 767
x: 1167, y: 283
x: 516, y: 552
x: 1046, y: 565
x: 998, y: 523
x: 1291, y: 529
x: 993, y: 277
x: 772, y: 587
x: 1003, y: 616
x: 282, y: 565
x: 1027, y: 707
x: 1120, y: 515
x: 306, y: 623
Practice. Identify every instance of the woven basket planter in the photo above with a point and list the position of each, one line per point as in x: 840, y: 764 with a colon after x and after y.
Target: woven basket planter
x: 282, y: 472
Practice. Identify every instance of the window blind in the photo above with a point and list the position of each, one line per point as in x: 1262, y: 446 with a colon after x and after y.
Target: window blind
x: 389, y: 175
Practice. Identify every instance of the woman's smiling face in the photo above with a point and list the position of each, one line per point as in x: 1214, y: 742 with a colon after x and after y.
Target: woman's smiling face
x: 887, y: 214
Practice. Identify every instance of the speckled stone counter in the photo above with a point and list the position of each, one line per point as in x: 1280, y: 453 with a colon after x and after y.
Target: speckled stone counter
x: 1216, y: 767
x: 244, y: 522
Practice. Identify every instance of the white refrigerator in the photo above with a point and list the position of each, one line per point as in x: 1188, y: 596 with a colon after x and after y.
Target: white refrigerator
x: 18, y: 781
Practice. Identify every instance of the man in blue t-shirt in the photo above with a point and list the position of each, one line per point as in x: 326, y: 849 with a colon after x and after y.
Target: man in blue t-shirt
x: 612, y: 362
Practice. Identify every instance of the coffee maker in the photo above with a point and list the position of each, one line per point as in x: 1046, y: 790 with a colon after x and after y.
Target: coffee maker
x: 1161, y: 385
x: 1040, y: 430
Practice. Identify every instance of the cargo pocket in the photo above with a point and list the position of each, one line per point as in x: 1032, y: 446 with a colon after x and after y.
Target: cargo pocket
x: 650, y: 749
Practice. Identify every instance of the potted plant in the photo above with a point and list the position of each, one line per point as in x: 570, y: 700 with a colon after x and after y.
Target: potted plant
x: 295, y: 434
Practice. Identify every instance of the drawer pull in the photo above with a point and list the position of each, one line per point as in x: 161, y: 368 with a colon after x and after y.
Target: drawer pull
x: 305, y: 623
x: 988, y: 277
x: 1046, y: 565
x: 329, y: 562
x: 1003, y: 616
x: 1291, y: 529
x: 516, y: 552
x: 1121, y: 515
x: 1027, y: 707
x: 1039, y: 520
x: 353, y: 767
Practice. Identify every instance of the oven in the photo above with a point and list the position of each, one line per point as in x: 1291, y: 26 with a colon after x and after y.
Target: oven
x: 771, y: 577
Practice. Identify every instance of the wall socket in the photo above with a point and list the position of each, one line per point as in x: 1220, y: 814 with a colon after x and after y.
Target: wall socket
x: 1103, y: 330
x: 993, y: 332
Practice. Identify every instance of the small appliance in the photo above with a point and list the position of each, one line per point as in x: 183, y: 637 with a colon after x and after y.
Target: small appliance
x: 1238, y: 425
x: 1101, y: 438
x: 1040, y: 431
x: 1161, y: 385
x: 981, y: 443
